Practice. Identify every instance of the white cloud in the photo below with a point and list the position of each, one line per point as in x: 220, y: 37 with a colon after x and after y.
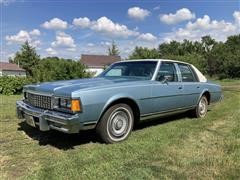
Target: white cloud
x: 180, y: 15
x: 90, y: 44
x: 156, y: 8
x: 108, y: 27
x: 236, y: 16
x: 19, y: 38
x: 82, y: 22
x: 106, y: 43
x: 138, y: 13
x: 51, y: 51
x: 35, y: 43
x: 219, y: 30
x: 22, y: 36
x: 147, y: 37
x: 55, y: 23
x: 105, y: 26
x: 206, y: 23
x: 35, y: 32
x: 64, y: 40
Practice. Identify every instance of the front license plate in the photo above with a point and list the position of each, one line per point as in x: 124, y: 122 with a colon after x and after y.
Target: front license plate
x: 29, y: 120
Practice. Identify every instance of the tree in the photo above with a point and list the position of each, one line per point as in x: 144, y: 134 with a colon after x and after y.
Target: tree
x: 229, y: 58
x: 27, y: 58
x: 113, y: 50
x: 208, y: 45
x: 144, y: 53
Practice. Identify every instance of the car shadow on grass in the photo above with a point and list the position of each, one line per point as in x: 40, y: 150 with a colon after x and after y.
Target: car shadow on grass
x: 58, y: 139
x: 69, y: 141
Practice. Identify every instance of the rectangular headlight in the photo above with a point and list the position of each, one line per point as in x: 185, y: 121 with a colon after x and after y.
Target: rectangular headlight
x: 68, y: 104
x: 65, y: 103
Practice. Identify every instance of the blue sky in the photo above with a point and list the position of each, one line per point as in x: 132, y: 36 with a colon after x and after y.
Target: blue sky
x: 71, y: 28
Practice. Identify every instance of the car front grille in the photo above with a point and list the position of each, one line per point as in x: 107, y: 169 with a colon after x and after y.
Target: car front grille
x: 40, y: 101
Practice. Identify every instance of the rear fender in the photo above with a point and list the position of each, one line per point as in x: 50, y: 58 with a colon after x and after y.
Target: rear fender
x: 201, y: 94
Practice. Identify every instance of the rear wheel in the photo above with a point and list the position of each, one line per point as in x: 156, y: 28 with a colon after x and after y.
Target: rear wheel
x: 201, y: 110
x: 116, y: 124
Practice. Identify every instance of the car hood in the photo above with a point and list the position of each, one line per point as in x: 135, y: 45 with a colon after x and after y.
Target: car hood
x: 65, y: 88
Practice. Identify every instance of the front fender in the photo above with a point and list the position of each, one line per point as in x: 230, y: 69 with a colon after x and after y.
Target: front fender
x: 115, y: 98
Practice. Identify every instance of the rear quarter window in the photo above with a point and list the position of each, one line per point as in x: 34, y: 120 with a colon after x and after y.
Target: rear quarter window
x: 187, y: 73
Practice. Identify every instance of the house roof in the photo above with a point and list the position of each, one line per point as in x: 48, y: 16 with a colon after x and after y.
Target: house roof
x: 10, y: 67
x: 98, y: 60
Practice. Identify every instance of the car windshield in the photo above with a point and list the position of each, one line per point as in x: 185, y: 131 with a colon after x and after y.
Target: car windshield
x: 134, y: 69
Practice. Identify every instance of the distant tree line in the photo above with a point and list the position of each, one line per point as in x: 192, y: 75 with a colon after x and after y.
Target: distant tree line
x: 216, y: 59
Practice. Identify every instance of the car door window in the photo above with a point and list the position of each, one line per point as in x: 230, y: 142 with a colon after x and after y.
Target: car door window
x: 187, y: 75
x: 114, y: 72
x: 167, y: 72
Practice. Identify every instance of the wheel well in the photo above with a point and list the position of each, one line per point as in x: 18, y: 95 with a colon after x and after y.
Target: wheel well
x: 207, y: 94
x: 131, y: 103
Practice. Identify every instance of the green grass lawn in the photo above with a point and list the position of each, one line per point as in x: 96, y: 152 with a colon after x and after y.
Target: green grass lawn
x: 176, y: 147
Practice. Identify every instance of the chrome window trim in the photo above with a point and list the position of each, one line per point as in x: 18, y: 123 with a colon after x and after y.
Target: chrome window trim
x: 156, y: 71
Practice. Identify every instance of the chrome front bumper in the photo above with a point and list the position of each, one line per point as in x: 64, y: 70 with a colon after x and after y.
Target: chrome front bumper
x: 47, y: 119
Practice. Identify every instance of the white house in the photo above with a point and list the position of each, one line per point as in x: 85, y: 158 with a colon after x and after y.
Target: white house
x: 10, y: 69
x: 96, y: 63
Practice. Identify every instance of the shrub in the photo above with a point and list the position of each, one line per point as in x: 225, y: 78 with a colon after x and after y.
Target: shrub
x: 10, y: 85
x: 54, y: 68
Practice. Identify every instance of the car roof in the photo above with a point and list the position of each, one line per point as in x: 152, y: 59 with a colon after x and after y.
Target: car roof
x: 156, y: 60
x: 201, y: 77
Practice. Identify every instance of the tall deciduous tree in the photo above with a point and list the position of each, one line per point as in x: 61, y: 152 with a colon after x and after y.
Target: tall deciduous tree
x: 113, y: 50
x: 27, y: 58
x: 208, y: 45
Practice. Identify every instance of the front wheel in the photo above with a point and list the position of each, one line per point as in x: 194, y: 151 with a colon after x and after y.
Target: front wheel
x: 201, y: 110
x: 116, y: 124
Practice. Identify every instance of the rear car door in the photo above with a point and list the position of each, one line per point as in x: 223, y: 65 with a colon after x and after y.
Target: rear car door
x: 191, y: 85
x: 167, y: 90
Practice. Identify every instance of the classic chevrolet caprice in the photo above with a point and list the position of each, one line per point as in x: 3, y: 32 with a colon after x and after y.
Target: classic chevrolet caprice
x: 124, y: 94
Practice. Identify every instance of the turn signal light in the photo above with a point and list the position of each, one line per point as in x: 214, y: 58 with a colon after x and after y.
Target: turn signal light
x: 75, y: 105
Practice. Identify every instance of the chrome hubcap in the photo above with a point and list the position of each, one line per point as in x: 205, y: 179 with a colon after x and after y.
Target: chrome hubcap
x: 119, y: 124
x: 202, y: 107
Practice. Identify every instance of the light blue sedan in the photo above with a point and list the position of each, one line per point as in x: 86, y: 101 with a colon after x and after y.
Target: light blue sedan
x: 124, y: 94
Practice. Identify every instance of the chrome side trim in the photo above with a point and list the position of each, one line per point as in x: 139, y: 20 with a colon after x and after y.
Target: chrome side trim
x: 157, y: 97
x: 164, y: 113
x: 89, y: 125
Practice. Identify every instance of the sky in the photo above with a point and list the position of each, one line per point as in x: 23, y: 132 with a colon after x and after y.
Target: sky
x: 70, y: 28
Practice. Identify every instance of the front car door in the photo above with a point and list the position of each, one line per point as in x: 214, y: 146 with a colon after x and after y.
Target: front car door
x: 167, y: 90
